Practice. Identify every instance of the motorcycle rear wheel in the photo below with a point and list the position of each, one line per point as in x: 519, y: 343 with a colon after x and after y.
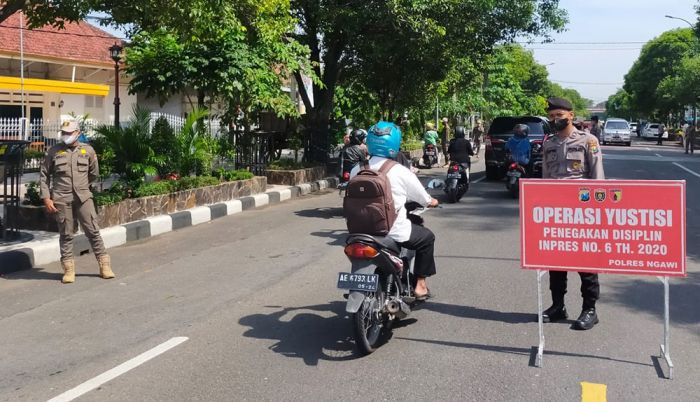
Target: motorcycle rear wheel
x: 369, y: 323
x: 453, y: 195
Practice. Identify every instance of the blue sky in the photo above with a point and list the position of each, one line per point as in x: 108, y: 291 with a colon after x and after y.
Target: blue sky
x: 581, y: 66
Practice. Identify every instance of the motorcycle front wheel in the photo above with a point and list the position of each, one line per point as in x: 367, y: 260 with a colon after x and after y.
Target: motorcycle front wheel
x: 369, y: 323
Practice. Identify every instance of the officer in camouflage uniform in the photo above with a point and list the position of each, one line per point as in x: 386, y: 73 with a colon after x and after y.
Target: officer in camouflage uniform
x: 68, y: 170
x: 571, y: 154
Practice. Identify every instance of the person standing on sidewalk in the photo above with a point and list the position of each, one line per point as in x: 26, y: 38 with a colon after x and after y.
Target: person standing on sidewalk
x: 445, y: 139
x: 571, y: 154
x: 66, y: 174
x: 690, y: 133
x: 595, y: 127
x: 477, y: 135
x: 662, y: 129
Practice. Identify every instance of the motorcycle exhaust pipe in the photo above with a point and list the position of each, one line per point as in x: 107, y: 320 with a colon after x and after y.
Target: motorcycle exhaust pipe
x: 393, y: 306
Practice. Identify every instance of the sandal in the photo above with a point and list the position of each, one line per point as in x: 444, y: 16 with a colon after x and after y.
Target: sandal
x: 424, y: 297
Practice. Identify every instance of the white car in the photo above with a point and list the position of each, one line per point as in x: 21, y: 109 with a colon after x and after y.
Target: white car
x: 651, y: 130
x: 616, y: 131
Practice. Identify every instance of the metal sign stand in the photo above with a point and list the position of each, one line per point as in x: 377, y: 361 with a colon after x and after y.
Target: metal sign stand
x: 665, y: 351
x: 665, y: 346
x: 540, y: 321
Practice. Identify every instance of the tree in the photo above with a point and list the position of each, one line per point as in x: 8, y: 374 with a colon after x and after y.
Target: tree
x: 620, y: 105
x: 660, y: 58
x: 400, y: 49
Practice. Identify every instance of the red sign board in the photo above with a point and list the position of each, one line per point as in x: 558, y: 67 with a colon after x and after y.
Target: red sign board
x: 632, y: 227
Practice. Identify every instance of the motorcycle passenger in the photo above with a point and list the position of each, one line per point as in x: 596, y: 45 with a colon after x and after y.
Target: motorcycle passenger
x: 519, y: 145
x: 355, y: 151
x: 460, y: 148
x: 383, y: 142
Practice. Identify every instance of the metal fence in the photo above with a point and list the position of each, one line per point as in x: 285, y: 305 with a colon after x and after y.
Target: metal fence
x: 39, y: 131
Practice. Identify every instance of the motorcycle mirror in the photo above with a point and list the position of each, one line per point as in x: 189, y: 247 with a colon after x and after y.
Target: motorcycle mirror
x: 436, y: 184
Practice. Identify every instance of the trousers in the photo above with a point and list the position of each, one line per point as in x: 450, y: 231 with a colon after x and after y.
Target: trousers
x: 590, y: 288
x: 422, y: 240
x: 72, y: 213
x: 690, y: 145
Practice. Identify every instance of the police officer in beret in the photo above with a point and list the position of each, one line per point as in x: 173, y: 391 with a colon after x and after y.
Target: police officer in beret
x: 69, y: 168
x: 571, y: 154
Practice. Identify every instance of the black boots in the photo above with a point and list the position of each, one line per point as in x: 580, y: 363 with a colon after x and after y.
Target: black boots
x: 555, y: 313
x: 587, y: 320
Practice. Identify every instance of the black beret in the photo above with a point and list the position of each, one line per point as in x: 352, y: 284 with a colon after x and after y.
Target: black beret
x: 559, y: 103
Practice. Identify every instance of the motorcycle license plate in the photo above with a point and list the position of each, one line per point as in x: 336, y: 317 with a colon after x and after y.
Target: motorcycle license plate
x: 514, y: 173
x: 453, y: 175
x: 363, y: 282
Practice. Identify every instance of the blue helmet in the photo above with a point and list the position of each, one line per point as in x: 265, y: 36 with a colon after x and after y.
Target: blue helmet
x: 384, y: 140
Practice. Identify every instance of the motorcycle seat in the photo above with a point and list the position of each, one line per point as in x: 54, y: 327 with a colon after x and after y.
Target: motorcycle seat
x: 383, y: 241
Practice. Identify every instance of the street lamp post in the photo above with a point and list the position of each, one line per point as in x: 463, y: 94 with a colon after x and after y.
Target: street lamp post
x: 695, y: 118
x: 679, y: 18
x: 115, y: 52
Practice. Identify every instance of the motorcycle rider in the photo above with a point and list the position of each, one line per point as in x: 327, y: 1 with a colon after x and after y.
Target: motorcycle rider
x: 383, y: 142
x: 519, y: 145
x: 430, y: 137
x: 355, y: 151
x: 460, y: 148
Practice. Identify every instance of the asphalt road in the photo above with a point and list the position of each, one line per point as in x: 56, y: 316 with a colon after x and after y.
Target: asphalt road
x: 255, y: 296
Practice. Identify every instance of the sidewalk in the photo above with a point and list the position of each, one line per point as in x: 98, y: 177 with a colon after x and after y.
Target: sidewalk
x: 43, y: 249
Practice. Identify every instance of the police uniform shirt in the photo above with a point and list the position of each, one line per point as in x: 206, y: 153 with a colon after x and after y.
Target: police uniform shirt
x: 577, y: 156
x: 68, y: 172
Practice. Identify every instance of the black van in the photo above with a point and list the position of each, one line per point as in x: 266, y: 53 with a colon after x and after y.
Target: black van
x: 500, y: 131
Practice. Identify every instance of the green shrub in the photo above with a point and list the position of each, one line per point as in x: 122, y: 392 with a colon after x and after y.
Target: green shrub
x: 33, y: 195
x: 233, y: 175
x: 289, y: 164
x: 116, y: 193
x: 33, y: 154
x: 155, y: 188
x: 187, y: 183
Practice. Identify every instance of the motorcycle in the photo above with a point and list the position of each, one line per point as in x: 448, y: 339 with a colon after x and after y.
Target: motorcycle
x: 457, y: 182
x: 430, y: 155
x: 380, y: 282
x: 515, y: 172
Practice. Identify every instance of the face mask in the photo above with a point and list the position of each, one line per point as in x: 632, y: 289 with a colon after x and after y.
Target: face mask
x: 69, y: 139
x: 559, y: 124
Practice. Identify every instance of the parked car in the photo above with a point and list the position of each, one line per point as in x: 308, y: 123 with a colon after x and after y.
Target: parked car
x: 616, y: 131
x: 634, y: 126
x: 651, y: 130
x: 499, y: 133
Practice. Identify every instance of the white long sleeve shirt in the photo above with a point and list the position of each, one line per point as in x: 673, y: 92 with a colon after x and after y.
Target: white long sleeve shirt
x: 405, y: 187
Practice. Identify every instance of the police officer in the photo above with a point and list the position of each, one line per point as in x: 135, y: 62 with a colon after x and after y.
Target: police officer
x: 690, y: 133
x: 68, y: 170
x: 571, y: 154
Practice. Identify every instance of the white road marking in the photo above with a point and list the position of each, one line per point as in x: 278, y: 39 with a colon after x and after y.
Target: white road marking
x: 686, y: 169
x: 659, y: 156
x: 98, y: 381
x: 648, y: 149
x: 479, y: 179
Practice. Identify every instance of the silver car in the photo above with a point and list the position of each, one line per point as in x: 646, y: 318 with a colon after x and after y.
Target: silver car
x: 616, y: 131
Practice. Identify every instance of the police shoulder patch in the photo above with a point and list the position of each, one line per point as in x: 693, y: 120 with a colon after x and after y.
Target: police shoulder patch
x: 593, y: 146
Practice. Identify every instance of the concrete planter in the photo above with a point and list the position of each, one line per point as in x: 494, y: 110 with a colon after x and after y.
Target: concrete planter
x: 135, y: 209
x: 34, y: 218
x: 296, y: 177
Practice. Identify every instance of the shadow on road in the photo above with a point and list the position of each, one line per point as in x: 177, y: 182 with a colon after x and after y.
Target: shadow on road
x: 648, y: 296
x: 337, y: 236
x: 324, y: 213
x: 33, y: 274
x: 478, y: 313
x: 519, y: 351
x: 310, y: 334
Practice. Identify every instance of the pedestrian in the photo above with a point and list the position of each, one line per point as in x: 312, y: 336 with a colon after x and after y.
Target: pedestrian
x: 445, y: 139
x: 662, y: 129
x: 477, y: 134
x: 690, y: 135
x: 571, y: 154
x: 69, y: 168
x: 595, y: 127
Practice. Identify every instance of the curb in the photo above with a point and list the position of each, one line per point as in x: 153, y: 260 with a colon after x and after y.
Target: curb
x: 27, y: 255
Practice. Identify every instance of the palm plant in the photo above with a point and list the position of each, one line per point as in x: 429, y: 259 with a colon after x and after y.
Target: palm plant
x: 127, y: 149
x: 196, y: 148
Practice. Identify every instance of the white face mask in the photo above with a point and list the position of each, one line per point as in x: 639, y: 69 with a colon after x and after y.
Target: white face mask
x: 69, y: 139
